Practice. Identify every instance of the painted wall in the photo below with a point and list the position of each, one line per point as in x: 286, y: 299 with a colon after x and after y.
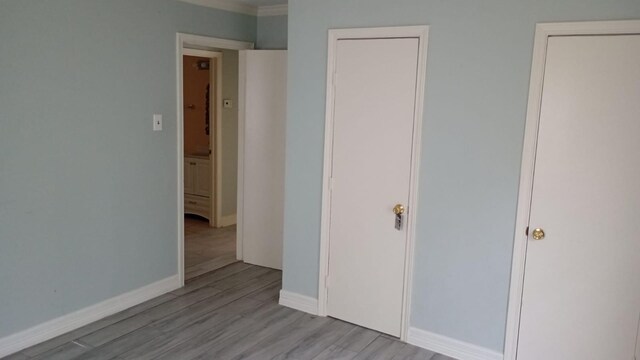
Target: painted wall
x: 196, y: 81
x: 87, y: 189
x: 230, y: 133
x: 479, y: 62
x: 272, y: 32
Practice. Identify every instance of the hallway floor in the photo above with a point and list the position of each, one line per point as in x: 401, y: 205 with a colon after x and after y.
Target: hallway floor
x: 206, y: 248
x: 231, y: 313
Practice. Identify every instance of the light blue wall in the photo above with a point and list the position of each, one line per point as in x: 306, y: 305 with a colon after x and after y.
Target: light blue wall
x: 272, y: 32
x: 479, y: 61
x: 87, y: 190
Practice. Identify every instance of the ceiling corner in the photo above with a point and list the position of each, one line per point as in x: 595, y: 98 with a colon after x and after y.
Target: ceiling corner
x: 273, y: 10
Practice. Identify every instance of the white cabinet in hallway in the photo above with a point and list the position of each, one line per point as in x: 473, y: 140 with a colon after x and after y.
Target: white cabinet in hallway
x: 197, y: 186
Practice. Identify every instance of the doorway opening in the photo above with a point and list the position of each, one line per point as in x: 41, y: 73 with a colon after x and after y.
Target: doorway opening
x: 205, y: 247
x: 207, y: 97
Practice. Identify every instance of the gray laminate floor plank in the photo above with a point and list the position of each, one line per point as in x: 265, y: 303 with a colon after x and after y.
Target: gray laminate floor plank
x: 233, y: 347
x: 282, y: 341
x: 113, y: 349
x: 97, y: 325
x: 270, y: 293
x: 409, y: 352
x: 137, y: 321
x: 210, y: 265
x: 229, y: 314
x: 212, y: 277
x: 312, y: 345
x: 382, y: 348
x: 357, y: 339
x: 69, y: 350
x: 17, y: 356
x: 202, y: 311
x: 197, y: 333
x: 221, y: 299
x: 199, y: 344
x: 235, y: 337
x: 441, y: 357
x: 243, y: 277
x: 336, y: 353
x: 211, y: 315
x: 206, y: 248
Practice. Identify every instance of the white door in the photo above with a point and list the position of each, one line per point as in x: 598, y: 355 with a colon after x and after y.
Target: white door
x: 581, y: 297
x: 263, y: 88
x: 375, y: 101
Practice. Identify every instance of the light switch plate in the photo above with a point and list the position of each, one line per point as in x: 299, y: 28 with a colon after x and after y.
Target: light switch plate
x: 227, y: 103
x: 157, y: 122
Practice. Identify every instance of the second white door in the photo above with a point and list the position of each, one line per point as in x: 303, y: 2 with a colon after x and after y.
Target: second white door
x: 263, y: 88
x: 581, y: 297
x: 374, y: 108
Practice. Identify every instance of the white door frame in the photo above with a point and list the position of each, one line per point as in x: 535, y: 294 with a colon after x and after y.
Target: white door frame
x: 421, y: 33
x: 188, y: 43
x: 215, y: 204
x: 543, y: 32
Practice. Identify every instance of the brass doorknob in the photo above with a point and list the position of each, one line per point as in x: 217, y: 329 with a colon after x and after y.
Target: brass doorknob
x: 537, y: 234
x: 398, y: 209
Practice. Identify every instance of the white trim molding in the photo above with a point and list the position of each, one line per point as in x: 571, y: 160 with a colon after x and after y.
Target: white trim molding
x: 52, y: 328
x: 299, y: 302
x: 422, y: 34
x: 238, y: 7
x: 192, y: 41
x: 450, y: 347
x: 543, y: 32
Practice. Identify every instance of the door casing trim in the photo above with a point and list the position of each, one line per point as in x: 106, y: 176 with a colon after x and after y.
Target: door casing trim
x: 420, y: 32
x: 542, y: 34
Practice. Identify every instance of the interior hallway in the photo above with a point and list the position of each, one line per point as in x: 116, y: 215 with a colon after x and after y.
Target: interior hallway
x: 231, y: 313
x: 206, y: 248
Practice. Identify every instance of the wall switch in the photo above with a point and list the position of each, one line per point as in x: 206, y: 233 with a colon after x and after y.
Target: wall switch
x: 227, y: 103
x: 157, y: 122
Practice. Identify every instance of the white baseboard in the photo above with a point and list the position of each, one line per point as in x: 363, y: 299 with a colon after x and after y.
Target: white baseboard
x: 299, y: 302
x: 450, y: 347
x: 52, y: 328
x: 228, y: 220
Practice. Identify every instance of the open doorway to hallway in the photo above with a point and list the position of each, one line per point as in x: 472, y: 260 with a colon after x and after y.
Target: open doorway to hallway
x: 210, y: 91
x: 234, y: 183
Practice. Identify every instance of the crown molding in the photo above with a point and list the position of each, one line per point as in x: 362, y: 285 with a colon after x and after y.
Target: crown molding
x: 233, y: 6
x: 226, y: 5
x: 273, y: 10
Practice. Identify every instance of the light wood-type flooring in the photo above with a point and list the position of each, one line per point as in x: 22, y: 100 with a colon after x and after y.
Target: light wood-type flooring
x: 206, y: 248
x: 230, y: 313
